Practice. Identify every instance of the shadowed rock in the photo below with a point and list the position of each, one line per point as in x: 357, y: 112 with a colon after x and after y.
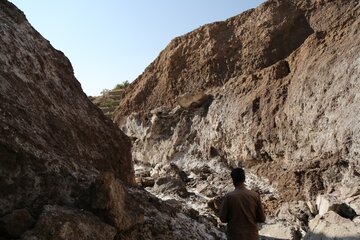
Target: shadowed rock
x: 192, y: 100
x: 57, y: 222
x: 16, y: 223
x: 53, y: 140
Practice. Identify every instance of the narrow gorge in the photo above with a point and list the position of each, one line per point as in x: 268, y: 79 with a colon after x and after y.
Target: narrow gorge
x: 275, y: 90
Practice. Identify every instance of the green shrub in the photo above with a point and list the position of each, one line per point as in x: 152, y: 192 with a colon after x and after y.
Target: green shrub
x: 104, y: 92
x: 122, y: 85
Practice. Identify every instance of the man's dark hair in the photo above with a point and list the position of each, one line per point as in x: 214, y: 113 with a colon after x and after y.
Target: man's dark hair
x: 238, y: 176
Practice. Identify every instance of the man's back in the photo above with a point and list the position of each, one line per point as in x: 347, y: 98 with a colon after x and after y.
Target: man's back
x: 242, y: 210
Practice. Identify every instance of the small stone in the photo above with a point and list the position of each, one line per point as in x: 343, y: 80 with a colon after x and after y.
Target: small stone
x: 324, y: 203
x: 312, y: 207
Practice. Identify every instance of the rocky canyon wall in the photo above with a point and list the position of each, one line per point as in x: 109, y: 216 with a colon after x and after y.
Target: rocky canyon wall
x: 286, y: 96
x: 45, y: 121
x: 281, y: 86
x: 66, y: 170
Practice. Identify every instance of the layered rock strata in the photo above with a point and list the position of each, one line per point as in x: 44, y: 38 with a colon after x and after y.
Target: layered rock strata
x: 285, y: 93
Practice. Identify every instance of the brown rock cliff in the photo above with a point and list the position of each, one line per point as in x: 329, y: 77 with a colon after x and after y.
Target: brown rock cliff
x: 285, y: 87
x: 284, y: 78
x: 209, y: 56
x: 53, y: 140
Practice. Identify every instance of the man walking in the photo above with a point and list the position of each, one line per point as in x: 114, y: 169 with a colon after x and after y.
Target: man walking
x: 242, y: 210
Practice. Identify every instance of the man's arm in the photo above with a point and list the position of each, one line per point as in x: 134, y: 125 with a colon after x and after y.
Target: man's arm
x: 260, y: 215
x: 224, y: 211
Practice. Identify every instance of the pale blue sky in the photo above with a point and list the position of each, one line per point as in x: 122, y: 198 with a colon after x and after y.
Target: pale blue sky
x: 111, y: 41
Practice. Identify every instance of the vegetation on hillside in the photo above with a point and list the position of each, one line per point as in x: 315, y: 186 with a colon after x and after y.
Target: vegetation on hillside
x: 122, y: 85
x: 109, y: 100
x: 118, y: 86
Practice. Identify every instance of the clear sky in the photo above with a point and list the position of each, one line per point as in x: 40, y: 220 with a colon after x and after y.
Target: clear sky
x: 111, y: 41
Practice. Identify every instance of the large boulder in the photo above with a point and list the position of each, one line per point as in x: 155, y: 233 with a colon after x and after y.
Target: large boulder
x: 111, y: 200
x: 192, y: 100
x: 61, y: 223
x: 333, y: 226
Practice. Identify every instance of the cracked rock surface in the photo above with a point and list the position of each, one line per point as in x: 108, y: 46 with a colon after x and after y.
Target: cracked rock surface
x: 66, y: 170
x: 284, y: 87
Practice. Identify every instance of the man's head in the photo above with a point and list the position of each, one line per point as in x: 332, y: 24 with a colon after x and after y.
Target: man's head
x: 238, y: 176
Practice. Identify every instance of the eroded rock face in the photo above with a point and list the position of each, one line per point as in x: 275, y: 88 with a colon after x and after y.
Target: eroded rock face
x: 284, y: 81
x: 66, y: 169
x: 57, y: 222
x: 111, y: 201
x: 53, y: 141
x: 294, y: 112
x: 211, y: 55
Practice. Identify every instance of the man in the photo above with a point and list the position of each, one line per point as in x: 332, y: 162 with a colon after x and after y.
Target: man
x: 242, y: 210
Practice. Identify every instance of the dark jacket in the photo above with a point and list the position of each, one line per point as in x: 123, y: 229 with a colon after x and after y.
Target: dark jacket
x: 242, y: 210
